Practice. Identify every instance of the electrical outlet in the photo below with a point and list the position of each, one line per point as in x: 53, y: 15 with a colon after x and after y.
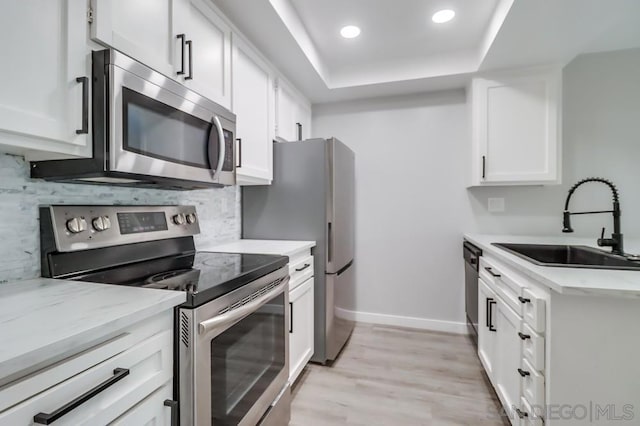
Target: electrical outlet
x: 495, y: 205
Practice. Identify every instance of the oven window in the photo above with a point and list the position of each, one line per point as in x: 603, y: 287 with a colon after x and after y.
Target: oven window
x: 245, y: 360
x: 154, y: 129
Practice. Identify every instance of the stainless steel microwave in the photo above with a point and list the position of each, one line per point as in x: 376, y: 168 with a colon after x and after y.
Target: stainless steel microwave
x: 148, y: 130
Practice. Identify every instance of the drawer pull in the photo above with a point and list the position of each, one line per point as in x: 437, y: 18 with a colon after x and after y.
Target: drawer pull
x: 524, y: 336
x: 306, y: 265
x: 523, y: 373
x: 173, y: 405
x: 493, y: 274
x: 521, y: 413
x: 48, y: 418
x: 524, y: 300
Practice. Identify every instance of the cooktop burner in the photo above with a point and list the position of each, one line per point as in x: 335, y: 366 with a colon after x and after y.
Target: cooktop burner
x: 204, y: 276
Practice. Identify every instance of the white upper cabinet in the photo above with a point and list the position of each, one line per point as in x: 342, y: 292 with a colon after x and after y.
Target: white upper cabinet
x: 182, y: 39
x: 293, y: 113
x: 45, y: 77
x: 142, y: 29
x: 207, y: 50
x: 516, y: 127
x: 254, y: 106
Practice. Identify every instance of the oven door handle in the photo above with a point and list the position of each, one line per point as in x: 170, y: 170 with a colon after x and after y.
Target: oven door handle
x: 236, y: 315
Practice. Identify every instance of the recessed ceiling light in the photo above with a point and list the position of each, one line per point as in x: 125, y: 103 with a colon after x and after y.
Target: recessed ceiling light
x: 350, y: 31
x: 442, y: 16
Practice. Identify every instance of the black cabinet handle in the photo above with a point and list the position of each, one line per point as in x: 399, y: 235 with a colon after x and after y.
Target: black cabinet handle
x: 299, y: 131
x: 493, y: 274
x: 329, y: 242
x: 521, y: 413
x: 523, y: 300
x: 306, y: 265
x: 524, y: 336
x: 484, y: 166
x: 48, y: 418
x: 489, y: 304
x: 290, y: 317
x: 523, y: 373
x: 174, y: 410
x: 190, y: 44
x: 183, y: 39
x: 85, y: 105
x: 239, y: 140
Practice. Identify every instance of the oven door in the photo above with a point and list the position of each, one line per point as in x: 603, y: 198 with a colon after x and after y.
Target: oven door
x: 159, y: 128
x: 240, y: 362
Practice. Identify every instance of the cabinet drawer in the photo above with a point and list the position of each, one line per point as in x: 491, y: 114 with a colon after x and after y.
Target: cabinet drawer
x: 532, y: 384
x: 20, y: 390
x: 149, y: 366
x: 528, y: 415
x: 151, y: 411
x: 300, y: 271
x: 533, y: 310
x: 503, y: 282
x: 533, y: 347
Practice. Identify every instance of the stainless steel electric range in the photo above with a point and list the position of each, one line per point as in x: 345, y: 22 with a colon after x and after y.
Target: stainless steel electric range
x: 231, y: 357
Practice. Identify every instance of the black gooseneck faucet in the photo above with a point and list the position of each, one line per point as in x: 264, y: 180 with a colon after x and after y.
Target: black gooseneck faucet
x: 615, y: 242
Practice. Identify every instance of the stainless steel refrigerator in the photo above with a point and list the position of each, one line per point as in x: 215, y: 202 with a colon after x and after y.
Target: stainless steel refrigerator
x: 312, y: 198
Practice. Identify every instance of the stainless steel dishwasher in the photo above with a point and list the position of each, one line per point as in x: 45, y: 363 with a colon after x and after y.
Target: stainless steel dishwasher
x: 471, y: 263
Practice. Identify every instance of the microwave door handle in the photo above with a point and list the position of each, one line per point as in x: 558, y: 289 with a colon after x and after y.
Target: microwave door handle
x: 236, y: 315
x: 221, y: 143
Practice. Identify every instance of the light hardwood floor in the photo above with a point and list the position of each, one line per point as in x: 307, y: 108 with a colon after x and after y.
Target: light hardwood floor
x: 392, y: 376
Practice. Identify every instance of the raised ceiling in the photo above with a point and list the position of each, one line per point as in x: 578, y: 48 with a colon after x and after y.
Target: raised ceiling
x: 400, y: 50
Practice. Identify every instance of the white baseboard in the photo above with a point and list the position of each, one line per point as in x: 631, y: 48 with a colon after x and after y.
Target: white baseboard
x: 400, y: 321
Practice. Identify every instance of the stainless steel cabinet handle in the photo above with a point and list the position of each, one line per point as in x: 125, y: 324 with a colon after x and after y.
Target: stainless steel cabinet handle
x: 190, y: 44
x: 85, y: 105
x: 48, y: 418
x: 239, y: 313
x: 183, y: 39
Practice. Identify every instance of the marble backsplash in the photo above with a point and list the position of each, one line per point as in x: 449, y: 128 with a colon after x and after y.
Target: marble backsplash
x: 20, y: 196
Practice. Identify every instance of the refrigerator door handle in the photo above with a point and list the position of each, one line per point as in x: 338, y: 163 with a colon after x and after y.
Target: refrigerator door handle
x: 329, y: 242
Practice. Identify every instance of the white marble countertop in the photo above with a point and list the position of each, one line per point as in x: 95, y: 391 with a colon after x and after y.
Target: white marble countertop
x: 279, y: 247
x: 46, y: 319
x: 565, y: 280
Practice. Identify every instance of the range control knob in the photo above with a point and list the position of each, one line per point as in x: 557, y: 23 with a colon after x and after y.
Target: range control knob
x: 191, y: 218
x: 76, y: 225
x: 101, y: 223
x: 179, y: 219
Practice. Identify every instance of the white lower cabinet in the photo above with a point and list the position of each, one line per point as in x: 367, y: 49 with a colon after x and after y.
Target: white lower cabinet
x: 301, y: 328
x: 508, y: 355
x: 45, y: 77
x: 99, y: 385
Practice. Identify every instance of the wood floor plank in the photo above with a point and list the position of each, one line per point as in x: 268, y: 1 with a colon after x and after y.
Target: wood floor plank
x: 388, y: 376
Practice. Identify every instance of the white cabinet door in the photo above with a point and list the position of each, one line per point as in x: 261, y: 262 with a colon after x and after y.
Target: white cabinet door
x: 508, y: 356
x: 300, y: 328
x: 487, y: 301
x: 303, y: 120
x: 516, y: 128
x: 151, y: 411
x: 293, y: 113
x: 208, y: 50
x: 254, y: 106
x: 142, y: 29
x: 44, y: 51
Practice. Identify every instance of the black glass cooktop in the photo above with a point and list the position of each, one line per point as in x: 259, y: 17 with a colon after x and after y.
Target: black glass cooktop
x: 204, y: 276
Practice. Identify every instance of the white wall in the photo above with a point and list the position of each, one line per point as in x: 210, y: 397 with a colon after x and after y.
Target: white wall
x: 412, y: 205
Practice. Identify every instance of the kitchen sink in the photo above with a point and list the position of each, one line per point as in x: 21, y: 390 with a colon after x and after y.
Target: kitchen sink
x: 569, y: 256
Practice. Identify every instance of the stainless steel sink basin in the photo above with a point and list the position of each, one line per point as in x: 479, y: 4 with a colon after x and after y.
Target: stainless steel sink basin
x: 569, y: 256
